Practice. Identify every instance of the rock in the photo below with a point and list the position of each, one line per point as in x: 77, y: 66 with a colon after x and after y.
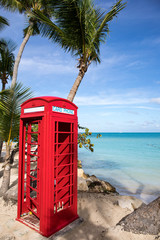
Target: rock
x: 82, y: 184
x: 94, y: 178
x: 80, y: 172
x: 108, y: 187
x: 100, y: 186
x: 144, y: 220
x: 79, y: 164
x: 88, y: 181
x: 85, y: 176
x: 12, y: 193
x: 95, y: 186
x: 1, y: 159
x: 128, y: 202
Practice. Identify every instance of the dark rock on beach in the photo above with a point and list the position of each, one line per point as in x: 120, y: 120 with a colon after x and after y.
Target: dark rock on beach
x: 144, y: 220
x: 93, y: 184
x: 101, y: 186
x: 12, y: 193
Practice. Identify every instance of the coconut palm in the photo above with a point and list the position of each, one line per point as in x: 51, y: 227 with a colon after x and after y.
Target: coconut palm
x: 25, y: 7
x: 10, y: 101
x: 79, y: 27
x: 3, y: 22
x: 7, y: 60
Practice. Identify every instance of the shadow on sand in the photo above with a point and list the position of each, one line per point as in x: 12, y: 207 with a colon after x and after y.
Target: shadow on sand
x: 88, y: 229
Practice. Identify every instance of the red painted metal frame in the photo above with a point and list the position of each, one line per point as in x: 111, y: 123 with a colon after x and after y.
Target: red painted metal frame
x: 57, y: 162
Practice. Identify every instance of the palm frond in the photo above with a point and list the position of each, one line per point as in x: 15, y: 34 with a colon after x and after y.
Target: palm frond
x: 3, y: 22
x: 10, y: 45
x: 48, y: 28
x: 10, y: 101
x: 103, y: 20
x: 7, y: 59
x: 13, y: 5
x: 78, y: 26
x: 34, y: 28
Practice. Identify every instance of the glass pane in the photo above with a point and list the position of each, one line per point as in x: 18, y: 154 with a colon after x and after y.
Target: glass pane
x: 64, y: 127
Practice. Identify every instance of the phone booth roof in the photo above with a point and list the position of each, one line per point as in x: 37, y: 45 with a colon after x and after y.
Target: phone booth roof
x: 40, y: 105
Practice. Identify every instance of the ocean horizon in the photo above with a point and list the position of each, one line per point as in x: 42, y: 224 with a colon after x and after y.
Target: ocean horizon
x: 129, y: 161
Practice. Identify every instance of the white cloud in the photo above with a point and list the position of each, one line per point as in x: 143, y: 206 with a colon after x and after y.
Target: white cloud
x: 152, y: 123
x: 155, y: 100
x: 105, y: 114
x: 123, y: 99
x: 151, y: 41
x: 131, y: 122
x: 147, y: 108
x: 132, y: 112
x: 44, y: 67
x: 113, y: 61
x: 136, y: 64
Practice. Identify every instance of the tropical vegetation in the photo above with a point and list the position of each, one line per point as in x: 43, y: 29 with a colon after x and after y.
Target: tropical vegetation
x: 78, y: 27
x: 10, y: 101
x: 26, y: 7
x: 7, y: 60
x: 84, y: 139
x: 3, y: 22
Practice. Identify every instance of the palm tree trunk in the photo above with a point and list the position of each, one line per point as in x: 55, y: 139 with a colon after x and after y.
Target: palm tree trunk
x: 1, y: 145
x: 3, y: 85
x: 6, y: 173
x: 76, y: 84
x: 16, y: 65
x: 1, y: 141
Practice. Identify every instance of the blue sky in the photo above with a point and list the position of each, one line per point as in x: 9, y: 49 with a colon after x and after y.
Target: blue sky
x: 122, y: 94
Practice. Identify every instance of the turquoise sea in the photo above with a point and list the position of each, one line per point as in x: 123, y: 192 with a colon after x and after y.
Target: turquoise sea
x: 129, y: 161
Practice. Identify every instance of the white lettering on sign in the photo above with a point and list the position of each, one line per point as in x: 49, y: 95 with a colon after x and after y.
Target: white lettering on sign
x: 34, y: 109
x: 62, y: 110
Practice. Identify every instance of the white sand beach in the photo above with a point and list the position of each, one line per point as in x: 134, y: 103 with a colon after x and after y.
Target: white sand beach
x: 100, y: 212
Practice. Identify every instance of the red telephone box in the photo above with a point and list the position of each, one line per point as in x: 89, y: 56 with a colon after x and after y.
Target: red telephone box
x: 47, y: 184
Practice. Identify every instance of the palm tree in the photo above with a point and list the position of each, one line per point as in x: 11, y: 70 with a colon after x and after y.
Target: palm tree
x: 6, y: 66
x: 26, y: 7
x: 10, y: 101
x: 7, y: 60
x: 3, y: 22
x: 80, y: 28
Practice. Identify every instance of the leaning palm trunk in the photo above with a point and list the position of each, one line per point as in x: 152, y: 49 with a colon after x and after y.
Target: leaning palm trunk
x: 3, y: 85
x: 16, y: 65
x: 6, y: 173
x: 73, y: 91
x: 1, y: 145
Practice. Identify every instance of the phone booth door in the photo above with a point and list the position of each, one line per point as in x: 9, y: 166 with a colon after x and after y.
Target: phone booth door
x: 32, y: 162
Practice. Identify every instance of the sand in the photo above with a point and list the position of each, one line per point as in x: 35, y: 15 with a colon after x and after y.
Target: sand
x: 99, y: 211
